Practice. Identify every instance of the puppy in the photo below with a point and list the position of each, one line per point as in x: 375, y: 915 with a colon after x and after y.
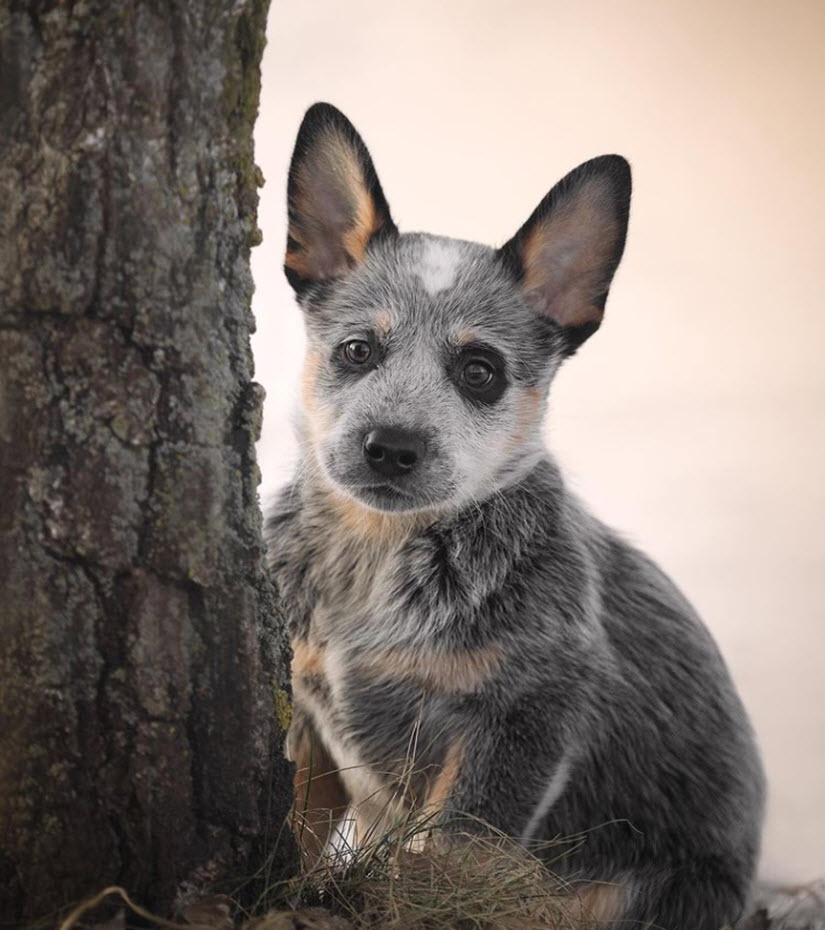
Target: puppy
x: 469, y: 642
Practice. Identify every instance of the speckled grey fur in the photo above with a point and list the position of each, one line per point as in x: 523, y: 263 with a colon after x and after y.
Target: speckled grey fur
x: 608, y: 713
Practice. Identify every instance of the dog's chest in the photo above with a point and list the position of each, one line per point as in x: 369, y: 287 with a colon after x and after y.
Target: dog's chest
x: 345, y: 587
x: 379, y: 694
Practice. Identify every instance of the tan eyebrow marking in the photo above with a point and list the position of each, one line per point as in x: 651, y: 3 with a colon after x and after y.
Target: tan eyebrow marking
x: 382, y: 322
x: 465, y: 337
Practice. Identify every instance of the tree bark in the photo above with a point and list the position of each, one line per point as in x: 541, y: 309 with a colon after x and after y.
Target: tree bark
x: 142, y: 659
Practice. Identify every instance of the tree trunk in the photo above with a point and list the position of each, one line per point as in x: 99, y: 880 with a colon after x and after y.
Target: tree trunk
x: 141, y: 655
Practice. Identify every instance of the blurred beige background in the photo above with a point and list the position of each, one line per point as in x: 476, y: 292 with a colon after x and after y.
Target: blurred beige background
x: 694, y: 420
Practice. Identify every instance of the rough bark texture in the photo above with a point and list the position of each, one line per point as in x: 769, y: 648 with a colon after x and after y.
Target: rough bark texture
x: 141, y: 655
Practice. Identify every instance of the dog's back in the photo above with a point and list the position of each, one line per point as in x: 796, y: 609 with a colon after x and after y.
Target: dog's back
x: 670, y: 784
x: 469, y: 642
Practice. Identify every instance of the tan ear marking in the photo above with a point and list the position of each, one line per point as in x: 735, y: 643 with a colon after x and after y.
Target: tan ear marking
x: 365, y: 225
x: 336, y: 205
x: 563, y: 259
x: 566, y: 254
x: 332, y: 180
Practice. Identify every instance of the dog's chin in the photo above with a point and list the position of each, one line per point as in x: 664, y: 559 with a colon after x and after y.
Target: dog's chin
x: 387, y: 498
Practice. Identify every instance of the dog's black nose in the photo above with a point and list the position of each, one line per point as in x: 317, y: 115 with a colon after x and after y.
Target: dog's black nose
x: 392, y: 452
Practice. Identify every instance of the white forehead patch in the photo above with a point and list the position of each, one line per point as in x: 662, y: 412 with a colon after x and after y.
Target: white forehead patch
x: 439, y: 265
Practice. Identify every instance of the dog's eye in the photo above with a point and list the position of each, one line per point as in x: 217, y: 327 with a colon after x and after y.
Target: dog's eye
x: 477, y: 374
x: 357, y: 351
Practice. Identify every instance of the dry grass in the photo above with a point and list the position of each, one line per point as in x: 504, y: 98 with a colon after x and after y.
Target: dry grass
x: 478, y: 882
x: 481, y: 882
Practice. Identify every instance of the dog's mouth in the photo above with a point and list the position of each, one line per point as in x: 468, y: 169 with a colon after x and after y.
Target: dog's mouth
x: 386, y: 487
x: 389, y: 498
x: 385, y: 496
x: 408, y: 493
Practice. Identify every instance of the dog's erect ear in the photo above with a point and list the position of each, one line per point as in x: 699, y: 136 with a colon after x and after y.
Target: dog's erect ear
x: 565, y: 255
x: 336, y: 205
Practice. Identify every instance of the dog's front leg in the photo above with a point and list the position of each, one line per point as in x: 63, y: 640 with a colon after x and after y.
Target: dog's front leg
x: 505, y: 774
x: 320, y: 798
x: 506, y: 777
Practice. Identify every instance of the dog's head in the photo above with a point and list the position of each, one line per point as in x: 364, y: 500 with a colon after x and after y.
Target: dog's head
x: 429, y: 359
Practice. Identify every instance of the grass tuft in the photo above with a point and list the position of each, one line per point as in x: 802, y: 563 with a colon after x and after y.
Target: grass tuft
x: 403, y: 879
x: 475, y: 882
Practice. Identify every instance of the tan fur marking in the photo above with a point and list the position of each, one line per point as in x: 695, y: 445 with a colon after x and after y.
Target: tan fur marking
x: 439, y: 793
x: 307, y: 658
x: 364, y: 221
x: 571, y: 297
x: 320, y: 799
x: 457, y: 672
x: 375, y: 525
x: 444, y: 782
x: 601, y: 903
x: 299, y: 262
x: 528, y: 411
x: 331, y: 207
x: 382, y: 322
x: 309, y: 378
x: 465, y: 337
x: 316, y: 414
x: 357, y: 237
